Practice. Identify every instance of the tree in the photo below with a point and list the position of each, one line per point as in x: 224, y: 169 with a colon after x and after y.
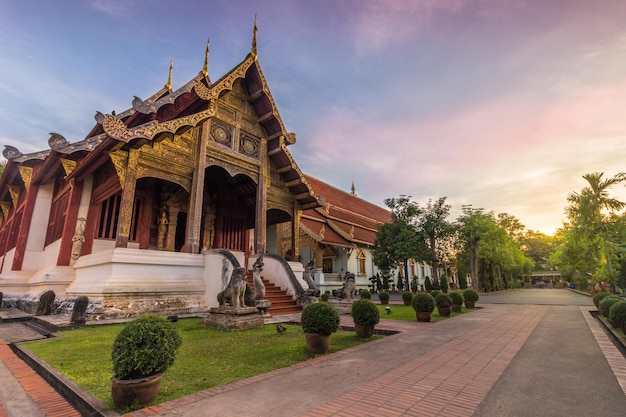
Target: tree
x: 432, y: 223
x: 592, y: 213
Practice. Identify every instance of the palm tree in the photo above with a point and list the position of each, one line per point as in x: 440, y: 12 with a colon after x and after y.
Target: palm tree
x: 590, y: 210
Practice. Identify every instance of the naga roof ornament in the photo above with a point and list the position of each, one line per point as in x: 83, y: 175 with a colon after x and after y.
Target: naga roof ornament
x: 205, y: 67
x: 254, y: 32
x: 168, y: 85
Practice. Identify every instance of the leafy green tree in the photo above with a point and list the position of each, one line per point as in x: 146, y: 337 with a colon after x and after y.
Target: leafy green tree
x: 431, y: 222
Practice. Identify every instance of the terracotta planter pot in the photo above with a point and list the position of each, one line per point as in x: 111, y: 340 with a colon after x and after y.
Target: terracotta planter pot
x: 317, y: 343
x: 469, y: 304
x: 384, y: 302
x: 456, y: 307
x: 444, y: 311
x: 126, y: 392
x: 363, y: 331
x: 422, y: 317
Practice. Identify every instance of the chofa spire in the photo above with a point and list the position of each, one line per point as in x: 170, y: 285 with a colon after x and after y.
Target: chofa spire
x: 168, y: 85
x: 254, y: 32
x: 205, y: 67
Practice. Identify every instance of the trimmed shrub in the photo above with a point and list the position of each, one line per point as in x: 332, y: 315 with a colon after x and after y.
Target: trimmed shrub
x: 423, y: 302
x: 366, y: 295
x: 617, y: 314
x: 470, y: 294
x: 435, y: 293
x: 320, y: 318
x: 365, y: 313
x: 428, y: 285
x: 443, y: 283
x: 145, y: 346
x: 383, y: 297
x: 443, y: 300
x: 607, y: 302
x: 456, y: 297
x: 407, y: 296
x: 325, y: 296
x: 597, y: 297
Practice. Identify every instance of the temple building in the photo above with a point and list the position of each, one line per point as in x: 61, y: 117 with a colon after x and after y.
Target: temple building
x: 159, y: 203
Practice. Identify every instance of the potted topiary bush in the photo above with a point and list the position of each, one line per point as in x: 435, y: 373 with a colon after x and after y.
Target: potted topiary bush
x: 423, y: 304
x: 143, y: 350
x: 457, y: 300
x: 407, y: 296
x: 319, y: 321
x: 325, y: 295
x: 443, y: 301
x: 470, y: 296
x: 617, y: 315
x: 435, y: 293
x: 366, y: 316
x: 383, y: 296
x: 366, y: 295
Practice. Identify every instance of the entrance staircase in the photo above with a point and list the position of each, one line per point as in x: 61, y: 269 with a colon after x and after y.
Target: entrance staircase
x: 281, y: 302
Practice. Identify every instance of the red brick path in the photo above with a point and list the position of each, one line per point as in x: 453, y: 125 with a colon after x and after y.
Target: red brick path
x: 50, y: 402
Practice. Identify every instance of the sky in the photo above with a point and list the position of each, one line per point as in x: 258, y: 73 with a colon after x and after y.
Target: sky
x: 501, y: 104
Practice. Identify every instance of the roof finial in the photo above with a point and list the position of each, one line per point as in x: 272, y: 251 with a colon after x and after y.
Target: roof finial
x: 353, y: 188
x: 254, y: 32
x: 169, y: 78
x: 205, y: 67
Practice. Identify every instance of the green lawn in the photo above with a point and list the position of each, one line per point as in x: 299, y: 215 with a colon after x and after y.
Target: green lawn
x: 207, y: 357
x: 406, y: 313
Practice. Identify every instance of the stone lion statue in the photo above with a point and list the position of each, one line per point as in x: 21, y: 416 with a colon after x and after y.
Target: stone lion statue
x: 234, y: 292
x: 348, y: 291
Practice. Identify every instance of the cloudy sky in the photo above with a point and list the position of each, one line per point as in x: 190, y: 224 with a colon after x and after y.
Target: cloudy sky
x: 502, y: 104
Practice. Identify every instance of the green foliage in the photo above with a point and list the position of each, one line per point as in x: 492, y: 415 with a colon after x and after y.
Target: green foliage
x: 365, y: 313
x: 423, y: 302
x: 325, y: 296
x: 407, y: 296
x: 414, y: 284
x: 366, y: 295
x: 443, y: 300
x: 456, y: 297
x: 470, y: 294
x: 428, y: 285
x: 435, y: 293
x: 617, y: 314
x: 145, y: 346
x: 321, y: 318
x: 443, y: 283
x: 597, y: 297
x: 606, y: 303
x: 383, y: 296
x: 462, y: 282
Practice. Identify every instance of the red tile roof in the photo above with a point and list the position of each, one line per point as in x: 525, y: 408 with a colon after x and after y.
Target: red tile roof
x: 347, y: 219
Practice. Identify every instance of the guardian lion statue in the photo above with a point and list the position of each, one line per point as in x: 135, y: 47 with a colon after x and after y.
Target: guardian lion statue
x: 348, y: 291
x: 234, y: 292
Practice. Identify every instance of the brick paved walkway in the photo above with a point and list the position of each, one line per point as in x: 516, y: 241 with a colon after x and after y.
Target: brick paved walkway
x: 47, y: 400
x: 450, y: 380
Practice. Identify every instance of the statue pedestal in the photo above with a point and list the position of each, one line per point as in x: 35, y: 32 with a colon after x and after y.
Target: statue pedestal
x: 232, y: 318
x: 263, y: 307
x: 342, y: 306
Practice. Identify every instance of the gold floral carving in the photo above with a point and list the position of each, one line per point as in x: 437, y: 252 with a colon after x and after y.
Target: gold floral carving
x: 27, y: 174
x: 120, y: 161
x: 116, y: 129
x: 15, y: 194
x: 68, y: 165
x: 226, y: 83
x: 5, y: 206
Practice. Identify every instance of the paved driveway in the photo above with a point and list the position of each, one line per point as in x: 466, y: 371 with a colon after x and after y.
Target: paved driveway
x: 536, y: 296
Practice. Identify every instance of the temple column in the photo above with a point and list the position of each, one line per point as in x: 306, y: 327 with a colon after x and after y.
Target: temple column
x: 71, y: 215
x: 128, y: 199
x: 194, y: 218
x: 260, y: 223
x: 319, y: 257
x: 24, y: 228
x: 171, y: 228
x: 295, y: 231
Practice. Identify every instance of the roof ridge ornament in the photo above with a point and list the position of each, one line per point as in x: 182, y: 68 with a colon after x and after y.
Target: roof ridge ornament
x: 205, y: 67
x: 168, y: 85
x: 254, y: 32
